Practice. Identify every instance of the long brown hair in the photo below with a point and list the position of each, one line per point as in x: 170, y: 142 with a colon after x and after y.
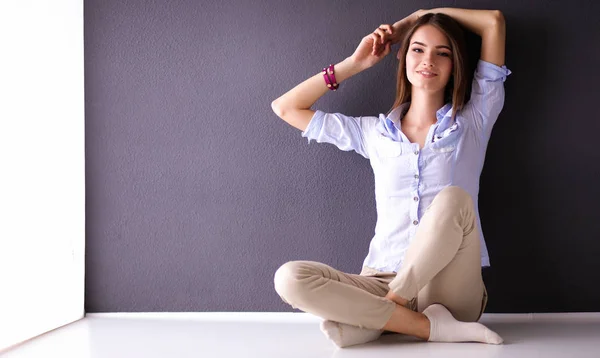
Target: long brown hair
x: 456, y: 87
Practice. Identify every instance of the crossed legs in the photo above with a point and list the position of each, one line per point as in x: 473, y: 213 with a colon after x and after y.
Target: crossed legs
x: 442, y: 266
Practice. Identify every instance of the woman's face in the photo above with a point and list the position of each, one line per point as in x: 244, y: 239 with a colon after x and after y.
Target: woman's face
x: 429, y: 59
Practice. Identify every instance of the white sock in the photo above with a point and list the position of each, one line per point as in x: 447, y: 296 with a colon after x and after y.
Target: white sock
x: 345, y: 335
x: 445, y: 328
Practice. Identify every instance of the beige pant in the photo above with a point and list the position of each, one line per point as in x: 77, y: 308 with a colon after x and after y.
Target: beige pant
x: 442, y: 265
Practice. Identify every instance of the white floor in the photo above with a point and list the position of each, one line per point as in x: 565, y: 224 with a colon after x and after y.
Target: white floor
x: 298, y: 335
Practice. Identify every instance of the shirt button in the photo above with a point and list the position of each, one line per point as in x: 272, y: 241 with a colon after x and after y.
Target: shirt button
x: 416, y: 152
x: 415, y: 222
x: 416, y: 198
x: 416, y: 176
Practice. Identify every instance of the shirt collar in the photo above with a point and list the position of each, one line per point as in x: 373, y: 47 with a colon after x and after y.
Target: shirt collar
x: 392, y: 122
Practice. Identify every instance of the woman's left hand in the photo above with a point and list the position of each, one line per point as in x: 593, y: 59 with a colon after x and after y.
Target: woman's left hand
x: 392, y: 297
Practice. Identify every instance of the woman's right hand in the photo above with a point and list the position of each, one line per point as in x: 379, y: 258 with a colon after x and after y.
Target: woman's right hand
x: 374, y: 47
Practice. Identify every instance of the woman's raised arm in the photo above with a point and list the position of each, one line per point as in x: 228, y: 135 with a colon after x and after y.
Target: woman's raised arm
x: 488, y: 24
x: 294, y: 105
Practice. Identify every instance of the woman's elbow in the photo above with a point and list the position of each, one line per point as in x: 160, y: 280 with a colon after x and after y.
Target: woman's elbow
x: 498, y: 18
x: 276, y: 109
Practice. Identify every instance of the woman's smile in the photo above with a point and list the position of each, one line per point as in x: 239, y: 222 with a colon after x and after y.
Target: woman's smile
x: 427, y: 74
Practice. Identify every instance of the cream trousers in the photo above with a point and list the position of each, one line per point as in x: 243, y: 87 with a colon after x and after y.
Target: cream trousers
x: 442, y: 265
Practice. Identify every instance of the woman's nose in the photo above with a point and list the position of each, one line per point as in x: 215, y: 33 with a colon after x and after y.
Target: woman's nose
x: 428, y: 61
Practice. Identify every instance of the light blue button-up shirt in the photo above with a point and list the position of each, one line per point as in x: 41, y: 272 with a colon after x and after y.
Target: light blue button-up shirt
x: 407, y: 178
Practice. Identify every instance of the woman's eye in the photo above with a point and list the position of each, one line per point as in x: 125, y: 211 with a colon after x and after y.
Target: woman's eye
x: 418, y: 50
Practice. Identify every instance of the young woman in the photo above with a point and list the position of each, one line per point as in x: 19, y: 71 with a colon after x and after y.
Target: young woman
x: 422, y: 275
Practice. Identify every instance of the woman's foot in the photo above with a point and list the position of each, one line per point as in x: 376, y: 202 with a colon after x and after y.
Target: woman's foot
x: 345, y: 335
x: 445, y: 328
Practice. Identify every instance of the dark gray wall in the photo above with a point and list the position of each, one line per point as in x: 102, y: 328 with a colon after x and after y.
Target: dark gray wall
x: 197, y: 192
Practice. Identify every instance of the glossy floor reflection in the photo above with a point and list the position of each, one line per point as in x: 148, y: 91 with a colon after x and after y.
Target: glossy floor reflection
x: 104, y: 336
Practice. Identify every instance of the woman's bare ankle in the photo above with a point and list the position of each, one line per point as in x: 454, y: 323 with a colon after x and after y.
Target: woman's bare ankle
x: 426, y: 328
x: 409, y: 322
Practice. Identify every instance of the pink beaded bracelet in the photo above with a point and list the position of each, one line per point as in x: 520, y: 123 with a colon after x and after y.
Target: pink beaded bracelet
x: 329, y: 76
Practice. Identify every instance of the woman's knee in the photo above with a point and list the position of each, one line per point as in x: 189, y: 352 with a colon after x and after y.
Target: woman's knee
x: 454, y: 197
x: 290, y: 278
x: 452, y: 200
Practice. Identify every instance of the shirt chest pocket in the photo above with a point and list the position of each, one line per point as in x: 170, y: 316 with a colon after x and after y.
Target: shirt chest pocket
x: 446, y: 141
x: 388, y: 148
x: 394, y: 165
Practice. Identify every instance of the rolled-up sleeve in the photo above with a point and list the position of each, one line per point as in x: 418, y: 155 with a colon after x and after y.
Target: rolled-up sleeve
x: 487, y: 96
x: 345, y: 132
